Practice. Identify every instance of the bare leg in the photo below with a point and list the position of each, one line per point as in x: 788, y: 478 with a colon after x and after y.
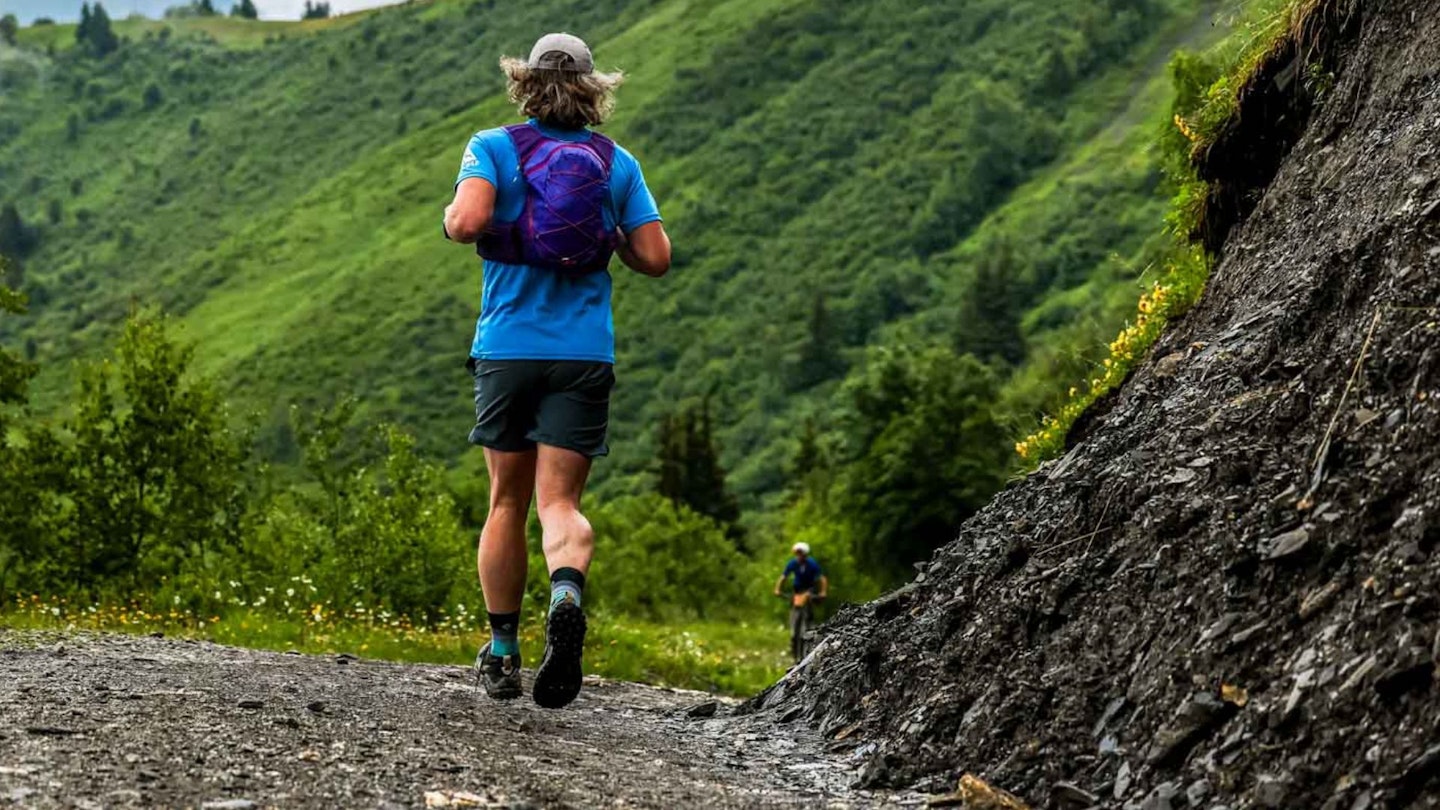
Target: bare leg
x: 559, y: 482
x: 502, y: 560
x: 569, y: 542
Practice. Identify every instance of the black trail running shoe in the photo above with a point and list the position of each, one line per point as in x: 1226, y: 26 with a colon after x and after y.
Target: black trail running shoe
x: 557, y: 682
x: 499, y: 674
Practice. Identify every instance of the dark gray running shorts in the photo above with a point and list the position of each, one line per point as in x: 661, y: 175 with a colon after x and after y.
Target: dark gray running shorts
x: 522, y: 403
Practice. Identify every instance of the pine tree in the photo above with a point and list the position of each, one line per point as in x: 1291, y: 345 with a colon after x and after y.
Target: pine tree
x: 988, y: 320
x: 689, y: 467
x: 8, y: 26
x: 16, y: 238
x: 819, y: 358
x: 82, y: 31
x: 245, y: 10
x: 99, y: 33
x: 810, y: 470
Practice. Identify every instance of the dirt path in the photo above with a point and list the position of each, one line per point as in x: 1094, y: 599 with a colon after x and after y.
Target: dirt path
x: 95, y: 721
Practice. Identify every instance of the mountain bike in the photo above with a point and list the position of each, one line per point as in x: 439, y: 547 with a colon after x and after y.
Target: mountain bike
x: 802, y: 616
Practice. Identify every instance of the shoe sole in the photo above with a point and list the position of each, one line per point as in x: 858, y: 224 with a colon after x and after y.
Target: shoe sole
x: 557, y: 682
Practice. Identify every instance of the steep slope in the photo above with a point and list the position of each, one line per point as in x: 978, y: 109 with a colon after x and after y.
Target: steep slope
x: 1225, y: 593
x: 283, y: 198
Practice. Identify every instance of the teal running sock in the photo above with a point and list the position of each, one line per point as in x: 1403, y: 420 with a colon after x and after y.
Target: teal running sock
x: 566, y: 583
x: 505, y: 633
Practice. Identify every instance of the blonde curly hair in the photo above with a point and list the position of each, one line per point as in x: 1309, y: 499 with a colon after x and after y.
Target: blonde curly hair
x: 565, y: 99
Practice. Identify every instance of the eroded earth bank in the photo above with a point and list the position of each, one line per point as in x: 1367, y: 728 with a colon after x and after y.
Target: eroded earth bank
x: 1227, y: 593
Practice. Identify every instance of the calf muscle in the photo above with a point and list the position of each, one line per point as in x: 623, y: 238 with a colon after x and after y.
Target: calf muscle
x: 502, y: 560
x: 560, y: 476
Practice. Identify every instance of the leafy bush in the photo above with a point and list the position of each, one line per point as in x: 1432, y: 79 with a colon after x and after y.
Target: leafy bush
x: 148, y: 477
x: 147, y: 491
x: 15, y: 506
x: 656, y: 559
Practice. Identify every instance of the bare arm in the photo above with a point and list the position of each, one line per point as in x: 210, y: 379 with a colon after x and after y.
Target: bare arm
x: 824, y: 586
x: 468, y: 215
x: 779, y: 583
x: 647, y: 250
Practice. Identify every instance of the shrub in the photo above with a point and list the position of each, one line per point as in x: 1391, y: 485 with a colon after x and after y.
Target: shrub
x: 660, y: 560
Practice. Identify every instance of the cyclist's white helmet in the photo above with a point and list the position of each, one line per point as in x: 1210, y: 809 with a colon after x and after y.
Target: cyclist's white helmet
x: 801, y: 548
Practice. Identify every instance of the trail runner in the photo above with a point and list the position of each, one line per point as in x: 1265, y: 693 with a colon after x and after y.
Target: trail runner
x: 547, y: 202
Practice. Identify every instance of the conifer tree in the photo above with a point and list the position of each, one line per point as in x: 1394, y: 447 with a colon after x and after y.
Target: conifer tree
x: 988, y: 321
x: 82, y: 31
x: 689, y: 467
x: 8, y: 26
x: 820, y: 357
x: 16, y: 238
x: 99, y: 35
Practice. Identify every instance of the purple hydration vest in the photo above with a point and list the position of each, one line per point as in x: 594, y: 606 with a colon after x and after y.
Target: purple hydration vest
x: 567, y: 186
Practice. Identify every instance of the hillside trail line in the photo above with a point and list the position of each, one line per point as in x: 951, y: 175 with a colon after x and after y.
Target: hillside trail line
x: 1206, y: 27
x: 119, y: 721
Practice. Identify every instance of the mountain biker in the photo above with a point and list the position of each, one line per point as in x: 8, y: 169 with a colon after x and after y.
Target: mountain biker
x: 805, y: 571
x: 805, y: 574
x: 546, y: 202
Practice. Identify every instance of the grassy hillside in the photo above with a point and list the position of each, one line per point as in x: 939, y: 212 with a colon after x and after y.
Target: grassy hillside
x: 280, y: 186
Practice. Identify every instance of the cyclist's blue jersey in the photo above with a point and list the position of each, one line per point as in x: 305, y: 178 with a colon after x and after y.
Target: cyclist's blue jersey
x: 806, y: 574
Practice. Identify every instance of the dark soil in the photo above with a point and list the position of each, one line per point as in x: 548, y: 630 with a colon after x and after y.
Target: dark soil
x: 1227, y: 595
x: 118, y: 721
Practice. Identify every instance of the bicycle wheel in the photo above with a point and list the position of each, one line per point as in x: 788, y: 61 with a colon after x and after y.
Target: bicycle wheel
x: 797, y: 633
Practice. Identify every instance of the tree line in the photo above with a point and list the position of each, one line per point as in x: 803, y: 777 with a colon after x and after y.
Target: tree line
x: 147, y: 488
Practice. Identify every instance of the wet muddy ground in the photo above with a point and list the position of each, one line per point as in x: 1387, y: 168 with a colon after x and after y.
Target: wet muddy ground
x: 117, y: 721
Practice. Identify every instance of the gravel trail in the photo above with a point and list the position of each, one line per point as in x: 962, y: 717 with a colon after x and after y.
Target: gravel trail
x: 119, y: 721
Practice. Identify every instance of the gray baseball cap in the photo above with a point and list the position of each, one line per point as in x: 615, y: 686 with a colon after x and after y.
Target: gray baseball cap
x: 561, y: 52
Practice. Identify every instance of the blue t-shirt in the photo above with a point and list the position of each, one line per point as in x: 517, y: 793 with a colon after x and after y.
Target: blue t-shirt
x: 806, y: 575
x: 531, y: 313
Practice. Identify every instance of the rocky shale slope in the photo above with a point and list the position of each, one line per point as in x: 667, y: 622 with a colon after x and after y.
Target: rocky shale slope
x: 1225, y: 595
